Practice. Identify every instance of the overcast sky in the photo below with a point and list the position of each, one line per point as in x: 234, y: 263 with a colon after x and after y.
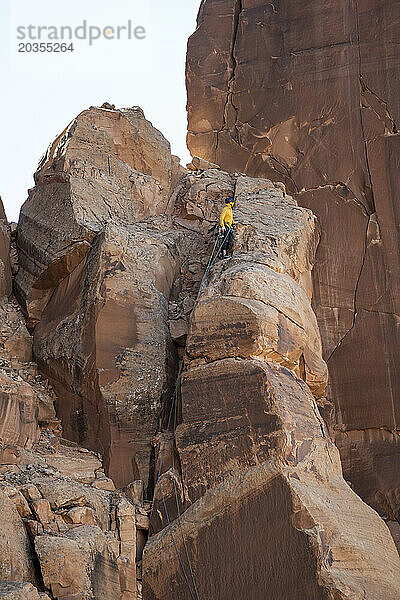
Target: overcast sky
x: 43, y: 91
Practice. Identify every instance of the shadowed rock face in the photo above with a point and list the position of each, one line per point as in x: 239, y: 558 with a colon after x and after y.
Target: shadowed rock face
x: 305, y: 93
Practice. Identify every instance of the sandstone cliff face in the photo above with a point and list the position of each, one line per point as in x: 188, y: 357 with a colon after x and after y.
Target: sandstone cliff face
x: 106, y: 173
x: 113, y: 243
x: 256, y: 479
x: 305, y: 93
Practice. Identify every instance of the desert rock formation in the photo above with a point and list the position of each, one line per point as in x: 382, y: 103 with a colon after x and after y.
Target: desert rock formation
x: 132, y: 381
x: 306, y: 93
x: 256, y: 478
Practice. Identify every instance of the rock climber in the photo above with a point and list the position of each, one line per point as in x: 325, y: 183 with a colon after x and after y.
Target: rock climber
x: 226, y: 224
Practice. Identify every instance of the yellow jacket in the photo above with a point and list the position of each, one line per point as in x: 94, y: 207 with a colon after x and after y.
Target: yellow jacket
x: 226, y: 218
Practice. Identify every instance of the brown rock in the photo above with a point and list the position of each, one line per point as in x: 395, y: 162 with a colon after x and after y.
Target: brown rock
x: 19, y: 501
x: 67, y: 564
x: 142, y: 522
x: 18, y: 412
x: 179, y: 330
x: 64, y: 494
x: 85, y: 563
x: 114, y: 169
x: 5, y: 266
x: 134, y: 491
x: 81, y: 515
x: 20, y: 591
x: 251, y: 440
x: 234, y: 436
x: 95, y: 342
x: 327, y: 87
x: 199, y: 164
x: 104, y: 484
x: 101, y: 152
x: 33, y: 528
x: 74, y: 464
x: 9, y: 455
x: 42, y: 511
x: 31, y: 492
x: 15, y: 341
x: 252, y: 307
x: 16, y: 560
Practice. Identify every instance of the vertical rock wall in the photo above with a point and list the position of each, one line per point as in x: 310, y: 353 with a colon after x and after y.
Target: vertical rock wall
x: 257, y: 505
x: 305, y: 93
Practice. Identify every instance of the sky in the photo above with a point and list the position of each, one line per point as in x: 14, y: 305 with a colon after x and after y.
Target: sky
x: 43, y: 91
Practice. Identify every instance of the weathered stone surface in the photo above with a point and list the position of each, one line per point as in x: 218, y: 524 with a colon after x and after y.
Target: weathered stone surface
x: 85, y: 538
x: 20, y: 591
x: 64, y: 494
x: 19, y: 501
x: 304, y: 93
x: 81, y: 467
x: 257, y: 468
x: 5, y: 265
x: 117, y: 175
x: 42, y: 511
x: 18, y: 412
x: 199, y: 164
x: 15, y: 341
x: 81, y: 515
x: 105, y: 288
x: 105, y: 166
x: 78, y: 565
x: 252, y: 307
x: 252, y: 459
x: 16, y: 559
x: 134, y: 491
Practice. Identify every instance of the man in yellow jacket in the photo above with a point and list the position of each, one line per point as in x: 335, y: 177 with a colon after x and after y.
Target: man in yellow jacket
x: 226, y: 224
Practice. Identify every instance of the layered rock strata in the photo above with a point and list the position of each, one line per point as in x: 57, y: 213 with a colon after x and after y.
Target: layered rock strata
x: 254, y: 477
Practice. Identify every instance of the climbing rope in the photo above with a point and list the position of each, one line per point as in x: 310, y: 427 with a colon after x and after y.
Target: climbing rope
x: 212, y: 261
x: 179, y: 514
x: 173, y: 404
x: 173, y: 410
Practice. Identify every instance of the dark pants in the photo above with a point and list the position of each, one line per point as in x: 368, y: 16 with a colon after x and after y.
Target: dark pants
x: 228, y: 236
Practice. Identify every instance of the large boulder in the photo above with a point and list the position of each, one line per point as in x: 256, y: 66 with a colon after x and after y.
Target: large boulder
x: 78, y: 565
x: 305, y: 93
x: 107, y: 165
x: 265, y: 507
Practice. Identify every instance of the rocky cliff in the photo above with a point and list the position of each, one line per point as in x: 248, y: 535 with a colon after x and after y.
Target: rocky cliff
x: 165, y: 429
x: 306, y: 93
